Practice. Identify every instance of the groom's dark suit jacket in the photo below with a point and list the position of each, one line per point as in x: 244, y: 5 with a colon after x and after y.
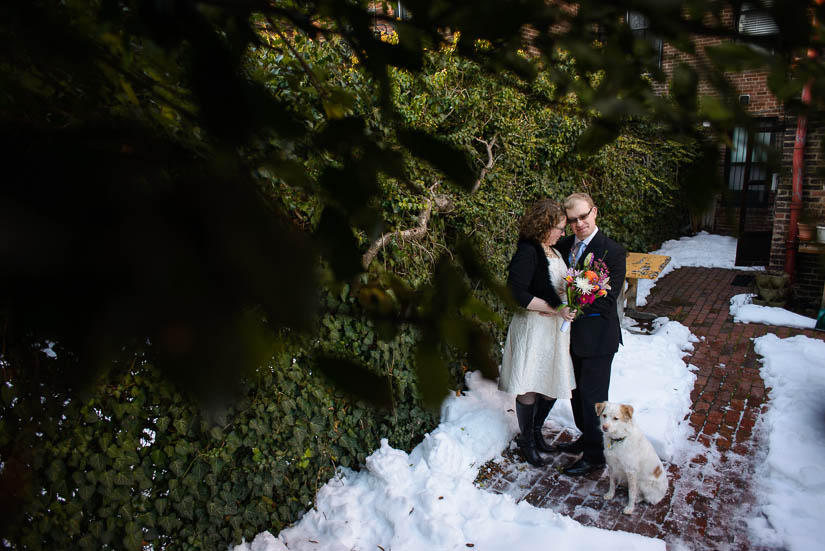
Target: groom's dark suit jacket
x: 597, y: 331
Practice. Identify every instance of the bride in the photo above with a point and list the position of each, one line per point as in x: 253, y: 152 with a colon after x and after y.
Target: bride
x: 536, y: 365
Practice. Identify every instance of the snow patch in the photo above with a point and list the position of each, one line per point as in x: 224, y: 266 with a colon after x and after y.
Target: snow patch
x: 744, y: 311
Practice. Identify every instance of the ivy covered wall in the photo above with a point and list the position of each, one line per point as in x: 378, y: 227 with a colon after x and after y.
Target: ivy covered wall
x: 134, y: 464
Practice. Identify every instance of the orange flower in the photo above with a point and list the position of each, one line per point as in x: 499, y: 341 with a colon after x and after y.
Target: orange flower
x: 592, y: 276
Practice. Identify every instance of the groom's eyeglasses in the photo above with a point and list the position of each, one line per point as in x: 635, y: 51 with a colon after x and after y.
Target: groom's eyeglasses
x: 581, y: 218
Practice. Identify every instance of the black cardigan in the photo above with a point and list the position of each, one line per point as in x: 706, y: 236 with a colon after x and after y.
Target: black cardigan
x: 529, y: 275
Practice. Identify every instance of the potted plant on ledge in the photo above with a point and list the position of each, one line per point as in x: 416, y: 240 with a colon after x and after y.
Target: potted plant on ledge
x: 807, y: 225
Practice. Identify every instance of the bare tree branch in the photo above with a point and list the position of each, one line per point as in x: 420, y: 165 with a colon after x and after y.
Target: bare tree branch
x: 441, y: 203
x: 491, y: 161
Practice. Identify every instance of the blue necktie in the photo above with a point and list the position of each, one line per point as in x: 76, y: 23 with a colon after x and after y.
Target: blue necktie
x: 574, y: 253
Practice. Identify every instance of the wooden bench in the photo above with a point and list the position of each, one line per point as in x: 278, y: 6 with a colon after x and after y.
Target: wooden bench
x: 639, y: 266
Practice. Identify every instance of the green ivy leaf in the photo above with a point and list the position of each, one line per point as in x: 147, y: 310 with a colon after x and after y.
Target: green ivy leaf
x: 186, y: 507
x: 183, y: 448
x: 122, y: 479
x: 178, y: 466
x: 158, y: 457
x: 233, y: 441
x: 162, y: 424
x: 107, y: 479
x: 181, y: 425
x: 133, y: 539
x: 199, y: 470
x: 86, y: 492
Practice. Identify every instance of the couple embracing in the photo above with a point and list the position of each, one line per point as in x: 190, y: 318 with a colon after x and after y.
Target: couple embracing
x: 543, y: 361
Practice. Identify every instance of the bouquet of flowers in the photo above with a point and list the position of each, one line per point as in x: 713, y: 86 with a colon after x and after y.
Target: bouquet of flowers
x: 586, y: 285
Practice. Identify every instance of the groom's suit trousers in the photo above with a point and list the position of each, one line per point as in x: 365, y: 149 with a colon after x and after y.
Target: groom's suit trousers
x: 592, y: 382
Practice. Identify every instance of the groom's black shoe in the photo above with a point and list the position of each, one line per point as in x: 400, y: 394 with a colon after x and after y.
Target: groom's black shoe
x: 576, y: 446
x: 583, y: 466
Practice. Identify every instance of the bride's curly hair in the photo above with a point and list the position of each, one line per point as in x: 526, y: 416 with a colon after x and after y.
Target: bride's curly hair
x: 540, y: 219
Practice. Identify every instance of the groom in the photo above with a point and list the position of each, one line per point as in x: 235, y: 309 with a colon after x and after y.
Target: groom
x: 595, y: 335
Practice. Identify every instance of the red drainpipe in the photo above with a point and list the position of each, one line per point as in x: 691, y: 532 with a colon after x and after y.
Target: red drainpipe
x: 796, y: 191
x: 798, y: 158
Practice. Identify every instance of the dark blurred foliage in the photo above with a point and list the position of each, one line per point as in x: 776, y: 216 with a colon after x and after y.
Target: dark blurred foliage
x: 132, y: 133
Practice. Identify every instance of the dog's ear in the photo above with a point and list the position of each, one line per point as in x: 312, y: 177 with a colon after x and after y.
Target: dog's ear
x: 626, y: 411
x: 600, y: 407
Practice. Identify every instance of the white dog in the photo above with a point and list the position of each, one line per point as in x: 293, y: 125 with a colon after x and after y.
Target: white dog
x: 630, y: 456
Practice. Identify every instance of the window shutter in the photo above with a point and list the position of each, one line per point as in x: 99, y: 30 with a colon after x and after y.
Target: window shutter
x: 754, y: 21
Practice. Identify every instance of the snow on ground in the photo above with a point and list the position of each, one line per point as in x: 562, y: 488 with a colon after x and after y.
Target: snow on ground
x: 427, y: 500
x: 648, y: 374
x: 743, y: 311
x: 791, y: 481
x: 702, y: 250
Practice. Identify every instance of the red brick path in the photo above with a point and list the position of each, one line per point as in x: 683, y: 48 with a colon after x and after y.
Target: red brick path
x: 710, y: 492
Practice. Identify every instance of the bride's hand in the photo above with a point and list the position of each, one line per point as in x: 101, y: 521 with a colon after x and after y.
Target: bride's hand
x: 553, y: 312
x: 566, y: 313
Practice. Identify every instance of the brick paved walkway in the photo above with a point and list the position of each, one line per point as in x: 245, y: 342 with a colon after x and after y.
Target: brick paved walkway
x: 710, y: 492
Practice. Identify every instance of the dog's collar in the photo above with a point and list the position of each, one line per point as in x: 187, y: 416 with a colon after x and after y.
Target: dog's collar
x: 615, y: 441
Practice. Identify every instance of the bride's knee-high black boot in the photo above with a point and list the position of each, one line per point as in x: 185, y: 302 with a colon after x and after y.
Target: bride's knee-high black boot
x: 526, y: 439
x: 543, y: 407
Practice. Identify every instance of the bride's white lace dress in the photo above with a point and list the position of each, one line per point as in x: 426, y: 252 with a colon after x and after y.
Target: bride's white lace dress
x: 537, y: 354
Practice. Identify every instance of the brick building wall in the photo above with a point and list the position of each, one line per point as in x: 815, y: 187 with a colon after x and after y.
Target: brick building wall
x: 761, y: 103
x: 750, y: 83
x: 726, y: 218
x: 810, y: 268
